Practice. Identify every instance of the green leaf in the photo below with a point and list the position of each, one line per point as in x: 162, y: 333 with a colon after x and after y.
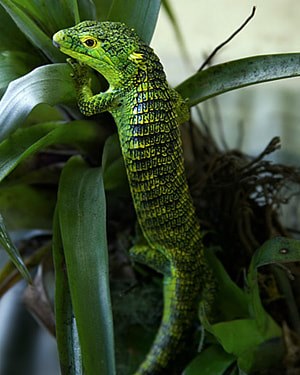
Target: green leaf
x: 103, y: 8
x: 14, y: 64
x: 12, y: 251
x: 28, y: 141
x: 246, y: 338
x: 237, y: 74
x: 57, y: 14
x: 276, y: 250
x: 87, y: 10
x: 241, y: 338
x: 66, y: 329
x: 232, y: 301
x: 81, y: 210
x: 141, y: 15
x: 31, y: 29
x: 51, y: 84
x: 8, y: 27
x: 73, y: 5
x: 211, y: 361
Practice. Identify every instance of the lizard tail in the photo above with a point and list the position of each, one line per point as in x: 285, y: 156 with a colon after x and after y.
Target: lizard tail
x: 182, y: 291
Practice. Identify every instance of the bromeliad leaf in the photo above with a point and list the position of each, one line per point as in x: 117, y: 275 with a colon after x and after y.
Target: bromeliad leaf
x: 276, y: 250
x: 103, y: 8
x: 26, y: 142
x: 245, y: 338
x: 31, y: 29
x: 8, y: 27
x: 82, y: 217
x: 87, y: 10
x: 66, y: 329
x: 12, y: 251
x: 213, y: 360
x: 141, y: 15
x: 51, y: 84
x: 232, y: 300
x: 237, y: 74
x: 14, y: 64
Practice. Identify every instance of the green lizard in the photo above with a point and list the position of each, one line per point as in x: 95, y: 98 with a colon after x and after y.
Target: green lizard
x: 148, y: 113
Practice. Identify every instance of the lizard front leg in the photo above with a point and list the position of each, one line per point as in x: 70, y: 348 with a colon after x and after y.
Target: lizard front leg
x: 88, y: 103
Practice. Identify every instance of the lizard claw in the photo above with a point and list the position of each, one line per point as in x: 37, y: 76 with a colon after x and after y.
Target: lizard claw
x: 80, y: 72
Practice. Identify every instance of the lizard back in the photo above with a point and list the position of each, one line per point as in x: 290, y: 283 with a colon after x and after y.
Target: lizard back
x: 152, y: 149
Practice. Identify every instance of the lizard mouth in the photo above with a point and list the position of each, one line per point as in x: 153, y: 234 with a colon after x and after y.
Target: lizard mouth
x: 56, y: 44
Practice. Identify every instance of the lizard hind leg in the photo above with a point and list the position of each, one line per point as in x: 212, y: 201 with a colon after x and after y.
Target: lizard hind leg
x: 143, y: 253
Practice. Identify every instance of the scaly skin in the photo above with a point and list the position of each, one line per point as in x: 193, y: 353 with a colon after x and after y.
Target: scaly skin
x: 147, y: 113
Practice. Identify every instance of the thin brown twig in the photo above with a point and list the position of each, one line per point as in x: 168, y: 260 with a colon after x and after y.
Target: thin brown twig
x: 212, y: 54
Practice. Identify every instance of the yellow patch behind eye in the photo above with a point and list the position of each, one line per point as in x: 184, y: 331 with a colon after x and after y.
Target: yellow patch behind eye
x: 136, y: 57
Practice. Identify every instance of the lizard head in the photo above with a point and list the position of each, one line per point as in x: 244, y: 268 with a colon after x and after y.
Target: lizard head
x: 111, y: 48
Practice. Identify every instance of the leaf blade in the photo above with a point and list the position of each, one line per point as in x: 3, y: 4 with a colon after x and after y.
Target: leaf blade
x: 236, y: 74
x: 28, y: 141
x: 141, y: 15
x: 66, y: 330
x: 212, y: 360
x: 51, y: 84
x: 33, y: 32
x: 81, y: 205
x: 13, y: 252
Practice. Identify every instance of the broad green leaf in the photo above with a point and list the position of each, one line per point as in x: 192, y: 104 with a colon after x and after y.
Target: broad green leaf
x: 237, y: 74
x: 51, y: 84
x: 241, y: 338
x: 66, y: 329
x: 211, y: 361
x: 81, y: 210
x: 232, y: 301
x: 57, y: 14
x: 276, y: 250
x: 246, y: 338
x: 31, y: 29
x: 14, y: 64
x: 103, y: 8
x: 87, y: 10
x: 73, y: 6
x: 17, y: 40
x: 141, y: 15
x: 12, y: 251
x: 28, y: 141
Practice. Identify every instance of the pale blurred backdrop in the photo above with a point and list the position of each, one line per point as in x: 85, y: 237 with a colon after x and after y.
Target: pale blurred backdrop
x: 265, y: 110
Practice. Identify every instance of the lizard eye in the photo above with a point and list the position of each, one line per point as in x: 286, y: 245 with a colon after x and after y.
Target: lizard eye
x: 90, y: 42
